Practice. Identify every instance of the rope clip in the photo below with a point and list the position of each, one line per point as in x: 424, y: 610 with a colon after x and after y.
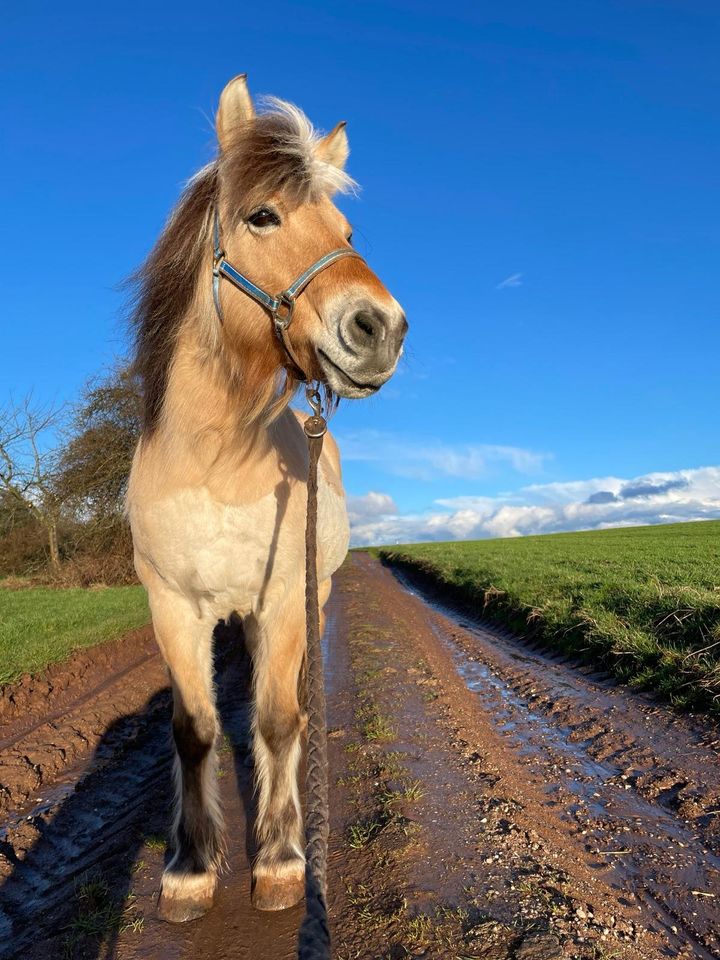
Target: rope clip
x: 316, y: 425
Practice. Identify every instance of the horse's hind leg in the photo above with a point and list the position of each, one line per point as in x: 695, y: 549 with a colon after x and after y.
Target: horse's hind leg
x: 189, y: 880
x: 279, y: 868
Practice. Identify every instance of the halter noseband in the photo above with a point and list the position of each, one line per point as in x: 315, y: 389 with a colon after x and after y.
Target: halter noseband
x: 282, y: 306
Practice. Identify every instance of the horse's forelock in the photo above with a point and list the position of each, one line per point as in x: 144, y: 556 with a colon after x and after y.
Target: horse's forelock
x: 276, y: 152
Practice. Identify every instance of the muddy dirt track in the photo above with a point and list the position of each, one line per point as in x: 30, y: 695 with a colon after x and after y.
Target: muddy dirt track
x: 489, y: 800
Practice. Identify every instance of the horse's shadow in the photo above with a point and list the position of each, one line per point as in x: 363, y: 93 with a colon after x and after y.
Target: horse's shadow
x: 69, y: 875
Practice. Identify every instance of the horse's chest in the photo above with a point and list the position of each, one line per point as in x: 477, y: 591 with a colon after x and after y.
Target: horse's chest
x: 230, y: 554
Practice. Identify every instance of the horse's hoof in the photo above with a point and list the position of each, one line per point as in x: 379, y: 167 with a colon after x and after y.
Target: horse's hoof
x: 277, y: 893
x: 184, y: 898
x: 180, y: 911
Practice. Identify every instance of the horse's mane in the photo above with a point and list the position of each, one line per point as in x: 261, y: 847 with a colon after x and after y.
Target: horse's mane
x: 273, y: 152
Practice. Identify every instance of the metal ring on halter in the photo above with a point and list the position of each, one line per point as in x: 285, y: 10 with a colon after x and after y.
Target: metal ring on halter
x: 288, y: 303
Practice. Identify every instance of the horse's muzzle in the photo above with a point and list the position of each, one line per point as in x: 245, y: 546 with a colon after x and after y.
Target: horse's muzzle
x: 368, y: 346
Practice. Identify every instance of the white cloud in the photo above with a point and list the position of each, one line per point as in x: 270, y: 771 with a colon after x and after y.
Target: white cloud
x: 514, y: 280
x: 370, y: 507
x: 430, y: 459
x: 554, y: 507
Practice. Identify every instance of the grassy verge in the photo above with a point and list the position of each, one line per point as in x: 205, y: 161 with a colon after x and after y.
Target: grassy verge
x: 40, y: 626
x: 642, y: 602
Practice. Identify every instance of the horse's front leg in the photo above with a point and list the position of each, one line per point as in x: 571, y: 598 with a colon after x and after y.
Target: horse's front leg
x: 279, y: 721
x: 190, y: 878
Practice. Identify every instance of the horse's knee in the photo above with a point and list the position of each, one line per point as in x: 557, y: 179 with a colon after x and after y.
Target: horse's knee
x: 194, y: 736
x: 279, y: 730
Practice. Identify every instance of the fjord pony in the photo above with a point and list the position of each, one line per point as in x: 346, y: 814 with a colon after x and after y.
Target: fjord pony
x: 217, y: 493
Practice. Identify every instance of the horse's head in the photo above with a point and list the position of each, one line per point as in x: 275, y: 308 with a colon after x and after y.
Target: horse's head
x: 275, y: 180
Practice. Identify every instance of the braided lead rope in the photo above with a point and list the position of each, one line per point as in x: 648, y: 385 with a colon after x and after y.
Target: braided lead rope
x: 314, y: 939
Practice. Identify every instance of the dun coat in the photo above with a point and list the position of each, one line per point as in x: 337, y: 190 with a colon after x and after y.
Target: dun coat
x: 217, y: 493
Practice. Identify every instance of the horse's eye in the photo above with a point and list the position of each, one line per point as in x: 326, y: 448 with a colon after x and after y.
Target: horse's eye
x: 264, y: 218
x: 349, y: 238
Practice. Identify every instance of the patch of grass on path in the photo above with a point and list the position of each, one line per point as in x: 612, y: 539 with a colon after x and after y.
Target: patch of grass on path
x: 642, y: 602
x: 40, y: 626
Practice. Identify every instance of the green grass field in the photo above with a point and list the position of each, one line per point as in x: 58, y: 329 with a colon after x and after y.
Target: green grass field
x: 39, y: 626
x: 643, y: 602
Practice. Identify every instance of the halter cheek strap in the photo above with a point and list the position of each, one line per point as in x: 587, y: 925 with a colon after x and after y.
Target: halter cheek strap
x: 282, y: 306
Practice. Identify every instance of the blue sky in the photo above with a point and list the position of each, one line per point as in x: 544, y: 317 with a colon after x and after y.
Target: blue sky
x: 539, y: 190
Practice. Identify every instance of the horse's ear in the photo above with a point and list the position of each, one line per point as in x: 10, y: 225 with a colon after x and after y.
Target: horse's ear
x: 236, y: 107
x: 334, y: 148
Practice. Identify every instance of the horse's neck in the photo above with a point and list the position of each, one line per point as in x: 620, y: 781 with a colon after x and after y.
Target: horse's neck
x: 205, y: 437
x: 202, y: 399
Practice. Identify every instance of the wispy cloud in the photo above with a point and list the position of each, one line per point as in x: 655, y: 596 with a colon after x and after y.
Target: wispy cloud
x: 428, y: 459
x: 593, y: 504
x: 514, y: 280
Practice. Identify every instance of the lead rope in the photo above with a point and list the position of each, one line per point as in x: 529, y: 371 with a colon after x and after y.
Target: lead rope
x: 314, y: 939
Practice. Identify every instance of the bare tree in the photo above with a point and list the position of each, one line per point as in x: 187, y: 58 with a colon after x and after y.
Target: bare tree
x: 92, y: 473
x: 28, y: 461
x: 98, y: 448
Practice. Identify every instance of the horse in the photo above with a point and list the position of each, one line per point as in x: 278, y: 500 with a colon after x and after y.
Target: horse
x: 217, y: 493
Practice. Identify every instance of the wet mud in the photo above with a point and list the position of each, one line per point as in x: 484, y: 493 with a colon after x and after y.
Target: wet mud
x: 488, y: 800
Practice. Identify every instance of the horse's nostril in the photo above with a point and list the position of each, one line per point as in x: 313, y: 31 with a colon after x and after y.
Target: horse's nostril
x: 364, y: 331
x: 365, y: 324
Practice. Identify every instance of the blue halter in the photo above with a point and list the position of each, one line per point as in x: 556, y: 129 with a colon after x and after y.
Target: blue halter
x: 282, y: 306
